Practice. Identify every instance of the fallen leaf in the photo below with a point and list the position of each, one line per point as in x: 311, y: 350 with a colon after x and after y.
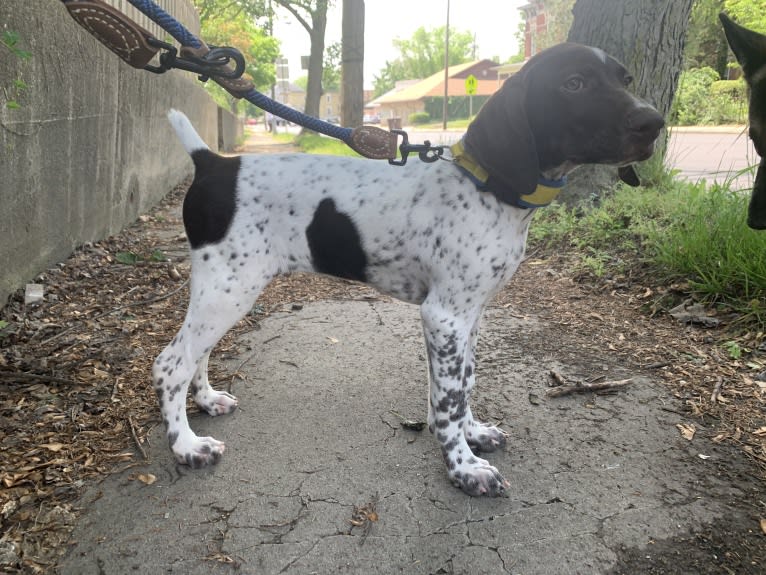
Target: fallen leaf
x: 760, y: 431
x: 703, y: 456
x: 332, y: 339
x: 55, y: 447
x: 763, y: 526
x: 147, y: 478
x: 687, y: 431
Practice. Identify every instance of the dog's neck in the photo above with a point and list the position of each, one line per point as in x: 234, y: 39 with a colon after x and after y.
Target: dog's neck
x: 549, y: 183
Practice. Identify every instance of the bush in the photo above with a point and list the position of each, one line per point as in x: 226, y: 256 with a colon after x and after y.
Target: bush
x: 691, y: 103
x: 419, y: 118
x: 702, y: 98
x: 728, y: 102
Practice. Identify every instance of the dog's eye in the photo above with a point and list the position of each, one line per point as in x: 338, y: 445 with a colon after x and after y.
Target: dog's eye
x: 574, y: 84
x: 627, y: 80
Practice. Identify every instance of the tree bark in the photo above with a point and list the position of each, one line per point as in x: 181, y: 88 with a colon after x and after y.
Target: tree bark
x: 316, y: 59
x: 352, y: 57
x: 648, y: 36
x: 317, y: 12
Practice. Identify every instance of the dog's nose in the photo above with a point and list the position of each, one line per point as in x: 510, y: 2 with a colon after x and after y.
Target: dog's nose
x: 646, y: 121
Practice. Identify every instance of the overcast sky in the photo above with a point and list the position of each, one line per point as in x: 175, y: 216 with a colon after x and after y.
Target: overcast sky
x: 494, y: 22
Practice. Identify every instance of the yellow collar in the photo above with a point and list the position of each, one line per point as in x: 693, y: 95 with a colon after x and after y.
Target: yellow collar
x: 545, y: 192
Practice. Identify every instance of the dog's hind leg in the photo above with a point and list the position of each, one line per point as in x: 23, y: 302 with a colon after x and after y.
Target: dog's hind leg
x: 209, y: 400
x: 215, y: 306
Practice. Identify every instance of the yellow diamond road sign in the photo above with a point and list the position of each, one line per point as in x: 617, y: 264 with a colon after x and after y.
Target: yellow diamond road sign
x: 470, y: 85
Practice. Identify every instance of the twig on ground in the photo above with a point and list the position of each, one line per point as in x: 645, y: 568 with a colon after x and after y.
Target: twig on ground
x: 562, y: 388
x: 21, y: 376
x: 135, y: 438
x: 716, y: 390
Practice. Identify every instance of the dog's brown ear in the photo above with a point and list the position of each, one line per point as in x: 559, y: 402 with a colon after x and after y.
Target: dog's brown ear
x: 749, y: 47
x: 629, y: 176
x: 501, y: 141
x: 756, y: 211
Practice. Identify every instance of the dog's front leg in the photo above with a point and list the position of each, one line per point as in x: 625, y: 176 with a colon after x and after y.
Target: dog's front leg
x: 481, y: 437
x: 448, y: 339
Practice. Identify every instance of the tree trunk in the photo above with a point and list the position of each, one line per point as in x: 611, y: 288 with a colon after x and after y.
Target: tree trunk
x: 647, y: 36
x: 352, y: 72
x: 316, y: 57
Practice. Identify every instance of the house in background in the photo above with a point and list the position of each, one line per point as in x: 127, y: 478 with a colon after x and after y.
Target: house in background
x: 534, y: 25
x: 546, y: 22
x: 290, y: 94
x: 411, y: 96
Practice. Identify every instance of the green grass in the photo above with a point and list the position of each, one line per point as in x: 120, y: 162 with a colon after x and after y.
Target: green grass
x: 693, y: 234
x: 316, y: 144
x: 451, y: 125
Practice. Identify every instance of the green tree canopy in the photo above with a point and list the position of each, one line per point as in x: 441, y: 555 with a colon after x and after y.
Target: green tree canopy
x: 705, y: 41
x: 233, y: 23
x: 748, y: 13
x: 423, y: 55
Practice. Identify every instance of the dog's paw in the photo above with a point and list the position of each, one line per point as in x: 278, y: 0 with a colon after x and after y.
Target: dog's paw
x: 481, y: 479
x: 482, y: 437
x: 215, y: 402
x: 199, y: 452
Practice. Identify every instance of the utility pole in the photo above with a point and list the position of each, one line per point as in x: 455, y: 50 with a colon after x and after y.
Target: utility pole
x: 352, y: 64
x: 446, y: 72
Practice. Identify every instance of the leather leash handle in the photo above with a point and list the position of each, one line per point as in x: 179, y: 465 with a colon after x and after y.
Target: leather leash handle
x: 374, y: 143
x: 115, y: 31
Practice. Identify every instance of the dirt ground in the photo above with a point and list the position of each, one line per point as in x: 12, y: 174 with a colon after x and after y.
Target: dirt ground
x: 76, y: 403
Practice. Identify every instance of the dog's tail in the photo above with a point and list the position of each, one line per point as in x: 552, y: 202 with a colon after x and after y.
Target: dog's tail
x: 186, y: 133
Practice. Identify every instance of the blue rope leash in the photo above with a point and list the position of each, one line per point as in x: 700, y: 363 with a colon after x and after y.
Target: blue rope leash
x: 186, y: 38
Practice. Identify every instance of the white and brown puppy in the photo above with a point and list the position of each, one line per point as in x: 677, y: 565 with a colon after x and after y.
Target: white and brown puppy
x: 445, y: 236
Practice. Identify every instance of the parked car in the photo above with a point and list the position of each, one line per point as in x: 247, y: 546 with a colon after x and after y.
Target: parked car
x: 371, y: 119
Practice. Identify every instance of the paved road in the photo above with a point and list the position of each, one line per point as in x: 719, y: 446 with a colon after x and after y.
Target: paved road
x: 317, y: 436
x: 713, y: 154
x: 719, y: 155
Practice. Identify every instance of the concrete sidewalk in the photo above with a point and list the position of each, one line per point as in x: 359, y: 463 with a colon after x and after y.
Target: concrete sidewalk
x: 318, y: 445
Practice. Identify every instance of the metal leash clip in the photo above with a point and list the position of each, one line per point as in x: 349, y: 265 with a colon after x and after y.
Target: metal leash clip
x: 425, y: 151
x: 214, y: 63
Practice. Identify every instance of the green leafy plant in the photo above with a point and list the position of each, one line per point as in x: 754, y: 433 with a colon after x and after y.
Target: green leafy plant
x: 417, y: 118
x: 703, y: 98
x: 733, y: 349
x: 10, y: 40
x: 693, y: 234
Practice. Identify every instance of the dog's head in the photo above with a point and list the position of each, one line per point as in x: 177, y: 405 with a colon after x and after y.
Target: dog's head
x: 750, y: 50
x: 569, y: 105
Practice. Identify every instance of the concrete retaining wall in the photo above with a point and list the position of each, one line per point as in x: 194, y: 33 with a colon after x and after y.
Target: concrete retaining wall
x: 89, y: 149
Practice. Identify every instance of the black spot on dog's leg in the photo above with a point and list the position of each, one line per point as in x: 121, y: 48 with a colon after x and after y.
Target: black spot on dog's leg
x: 335, y: 244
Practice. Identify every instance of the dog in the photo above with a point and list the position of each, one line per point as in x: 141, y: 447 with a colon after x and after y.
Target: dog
x: 445, y: 236
x: 750, y: 50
